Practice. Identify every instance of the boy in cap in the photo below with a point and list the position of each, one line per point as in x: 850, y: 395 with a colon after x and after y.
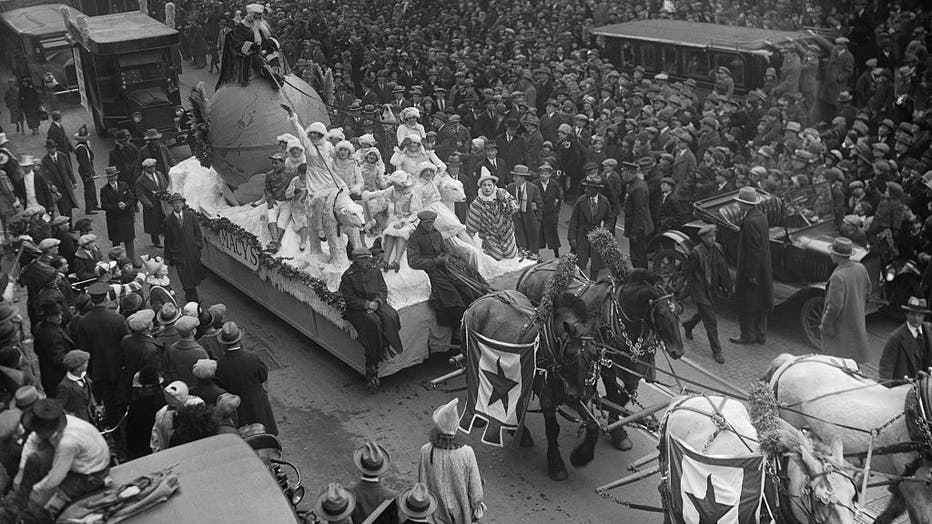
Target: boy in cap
x: 709, y: 279
x: 181, y: 355
x: 74, y: 391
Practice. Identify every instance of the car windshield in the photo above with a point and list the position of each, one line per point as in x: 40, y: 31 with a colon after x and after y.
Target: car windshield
x: 806, y: 206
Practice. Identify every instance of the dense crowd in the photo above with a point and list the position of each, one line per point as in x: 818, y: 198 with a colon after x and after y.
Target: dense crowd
x: 475, y: 93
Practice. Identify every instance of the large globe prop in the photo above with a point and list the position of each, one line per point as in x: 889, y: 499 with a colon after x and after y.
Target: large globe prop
x: 245, y: 120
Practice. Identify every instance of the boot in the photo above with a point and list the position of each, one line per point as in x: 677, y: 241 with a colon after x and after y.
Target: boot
x: 276, y: 233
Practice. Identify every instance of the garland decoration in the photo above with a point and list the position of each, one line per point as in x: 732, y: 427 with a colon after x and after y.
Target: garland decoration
x: 603, y: 242
x: 556, y: 286
x: 762, y: 407
x: 273, y: 264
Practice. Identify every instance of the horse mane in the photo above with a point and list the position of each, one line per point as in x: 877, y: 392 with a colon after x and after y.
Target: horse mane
x: 642, y: 276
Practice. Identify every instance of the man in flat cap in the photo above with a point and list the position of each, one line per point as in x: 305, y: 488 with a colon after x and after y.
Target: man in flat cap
x: 709, y: 280
x: 152, y: 190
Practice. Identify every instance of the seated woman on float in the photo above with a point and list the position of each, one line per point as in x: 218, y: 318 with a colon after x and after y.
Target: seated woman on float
x: 427, y: 183
x: 412, y: 154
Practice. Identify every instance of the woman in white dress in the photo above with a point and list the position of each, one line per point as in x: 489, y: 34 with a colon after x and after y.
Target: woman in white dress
x: 373, y: 179
x: 345, y: 167
x: 404, y: 205
x: 412, y: 154
x: 446, y: 222
x: 409, y: 124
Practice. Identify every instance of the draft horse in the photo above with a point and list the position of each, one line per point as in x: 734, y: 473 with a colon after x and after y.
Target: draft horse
x: 568, y: 362
x: 635, y: 317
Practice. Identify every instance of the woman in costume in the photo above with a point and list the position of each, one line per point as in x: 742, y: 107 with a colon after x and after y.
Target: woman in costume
x: 295, y: 156
x: 412, y: 154
x: 300, y: 204
x: 409, y: 124
x: 345, y: 167
x: 373, y: 178
x: 446, y: 221
x: 490, y: 216
x: 404, y: 205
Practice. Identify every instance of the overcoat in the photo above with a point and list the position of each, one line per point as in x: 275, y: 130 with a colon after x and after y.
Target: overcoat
x: 154, y: 208
x: 59, y: 173
x: 126, y: 159
x: 99, y: 332
x: 552, y: 197
x: 844, y: 331
x: 903, y: 356
x: 242, y: 373
x: 359, y: 286
x: 161, y: 154
x: 638, y: 222
x: 120, y: 222
x: 754, y: 276
x: 527, y: 223
x: 183, y: 244
x: 707, y: 273
x: 51, y: 342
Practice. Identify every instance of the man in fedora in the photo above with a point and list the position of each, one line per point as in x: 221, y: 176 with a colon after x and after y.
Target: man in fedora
x: 32, y: 189
x: 754, y: 275
x: 335, y: 504
x: 590, y: 211
x: 125, y: 157
x: 367, y: 309
x: 530, y: 207
x: 844, y: 327
x: 100, y: 332
x: 183, y: 243
x: 56, y: 168
x: 372, y: 461
x: 151, y: 190
x: 85, y: 156
x: 64, y: 458
x: 417, y: 504
x: 909, y: 348
x: 57, y: 134
x: 639, y: 224
x: 119, y: 203
x: 156, y: 150
x: 492, y: 164
x: 709, y: 279
x: 242, y: 373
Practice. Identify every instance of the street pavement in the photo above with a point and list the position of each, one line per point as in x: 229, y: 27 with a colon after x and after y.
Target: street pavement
x: 324, y: 410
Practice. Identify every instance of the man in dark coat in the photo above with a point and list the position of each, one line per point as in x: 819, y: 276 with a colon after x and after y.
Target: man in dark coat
x: 32, y: 183
x: 639, y: 224
x: 492, y: 163
x: 367, y: 309
x: 754, y: 275
x: 512, y: 147
x: 428, y: 252
x: 119, y: 202
x: 589, y: 212
x: 708, y: 278
x: 530, y: 207
x: 56, y: 169
x: 51, y: 342
x: 85, y: 156
x: 243, y: 374
x: 125, y: 158
x: 139, y: 349
x: 155, y: 149
x: 99, y: 332
x: 552, y: 200
x: 372, y: 461
x: 909, y: 348
x: 183, y: 243
x: 57, y: 134
x: 151, y: 189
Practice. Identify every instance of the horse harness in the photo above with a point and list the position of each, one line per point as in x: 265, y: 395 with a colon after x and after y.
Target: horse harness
x: 647, y: 341
x: 717, y: 418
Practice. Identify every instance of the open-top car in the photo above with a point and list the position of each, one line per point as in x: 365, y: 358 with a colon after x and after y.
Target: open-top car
x: 801, y: 233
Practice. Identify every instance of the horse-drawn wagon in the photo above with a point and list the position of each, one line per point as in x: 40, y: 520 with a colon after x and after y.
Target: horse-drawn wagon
x: 801, y: 233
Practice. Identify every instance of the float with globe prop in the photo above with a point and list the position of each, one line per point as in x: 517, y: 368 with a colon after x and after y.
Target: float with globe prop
x: 238, y: 130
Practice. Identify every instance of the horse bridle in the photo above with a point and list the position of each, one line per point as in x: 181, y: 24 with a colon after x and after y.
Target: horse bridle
x: 647, y: 341
x: 808, y: 500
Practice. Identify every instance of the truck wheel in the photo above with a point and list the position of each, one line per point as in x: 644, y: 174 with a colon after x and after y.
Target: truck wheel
x: 810, y: 319
x: 670, y: 264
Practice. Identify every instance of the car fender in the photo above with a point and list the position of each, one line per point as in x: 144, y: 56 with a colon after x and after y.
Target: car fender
x: 816, y: 288
x: 674, y: 239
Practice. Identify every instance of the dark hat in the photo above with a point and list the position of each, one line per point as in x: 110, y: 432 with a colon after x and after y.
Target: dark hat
x: 916, y: 305
x: 46, y: 415
x: 75, y: 359
x: 229, y: 334
x: 593, y: 180
x: 130, y: 304
x: 49, y: 309
x: 361, y: 252
x: 168, y: 314
x: 175, y: 197
x: 667, y: 180
x: 51, y: 143
x: 371, y: 459
x: 427, y: 215
x: 335, y: 503
x: 98, y: 289
x: 417, y: 502
x: 842, y: 247
x: 110, y: 171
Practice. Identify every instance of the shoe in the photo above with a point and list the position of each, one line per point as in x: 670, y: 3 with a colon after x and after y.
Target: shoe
x: 718, y: 357
x: 739, y: 340
x: 687, y: 331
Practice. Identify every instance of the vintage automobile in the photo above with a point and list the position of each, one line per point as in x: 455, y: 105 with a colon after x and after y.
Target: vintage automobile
x: 34, y: 43
x: 801, y: 232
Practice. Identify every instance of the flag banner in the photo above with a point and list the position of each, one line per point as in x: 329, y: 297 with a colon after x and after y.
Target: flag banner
x: 713, y: 489
x: 499, y: 376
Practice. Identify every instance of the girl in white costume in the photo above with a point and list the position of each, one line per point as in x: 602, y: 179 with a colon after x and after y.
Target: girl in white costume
x: 345, y: 167
x: 412, y: 154
x: 446, y: 222
x: 405, y: 204
x: 409, y: 124
x: 300, y: 204
x: 295, y: 156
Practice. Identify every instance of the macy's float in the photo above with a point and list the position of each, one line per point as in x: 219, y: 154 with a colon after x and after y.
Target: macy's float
x: 238, y: 127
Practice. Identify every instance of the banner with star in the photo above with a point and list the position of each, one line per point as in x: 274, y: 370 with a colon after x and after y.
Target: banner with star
x: 499, y: 376
x: 713, y: 489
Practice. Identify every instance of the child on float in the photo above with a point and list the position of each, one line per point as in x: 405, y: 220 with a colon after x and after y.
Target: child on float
x: 372, y: 170
x: 345, y: 167
x: 412, y: 154
x: 295, y: 156
x: 300, y: 205
x: 405, y: 204
x: 446, y: 222
x: 409, y: 124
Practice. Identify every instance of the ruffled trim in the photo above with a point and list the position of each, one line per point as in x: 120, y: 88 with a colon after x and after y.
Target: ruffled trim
x: 444, y: 441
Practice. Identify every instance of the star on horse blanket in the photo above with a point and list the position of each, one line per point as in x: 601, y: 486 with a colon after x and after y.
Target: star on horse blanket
x: 713, y: 490
x: 499, y: 379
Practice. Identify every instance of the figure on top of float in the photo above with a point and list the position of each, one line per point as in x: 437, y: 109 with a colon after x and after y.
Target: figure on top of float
x: 412, y: 154
x: 250, y: 49
x: 405, y: 204
x: 295, y: 156
x: 345, y: 166
x: 446, y: 222
x: 278, y: 204
x: 409, y: 124
x: 319, y: 154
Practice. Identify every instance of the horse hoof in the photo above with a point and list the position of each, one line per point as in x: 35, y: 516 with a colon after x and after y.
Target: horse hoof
x: 621, y: 441
x: 558, y: 475
x: 579, y: 457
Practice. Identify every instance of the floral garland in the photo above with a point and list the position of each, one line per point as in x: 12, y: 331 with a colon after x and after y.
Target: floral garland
x: 603, y: 242
x: 762, y: 407
x: 273, y: 263
x: 556, y: 286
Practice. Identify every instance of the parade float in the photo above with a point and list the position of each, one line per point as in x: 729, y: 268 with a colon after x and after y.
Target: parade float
x: 242, y: 121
